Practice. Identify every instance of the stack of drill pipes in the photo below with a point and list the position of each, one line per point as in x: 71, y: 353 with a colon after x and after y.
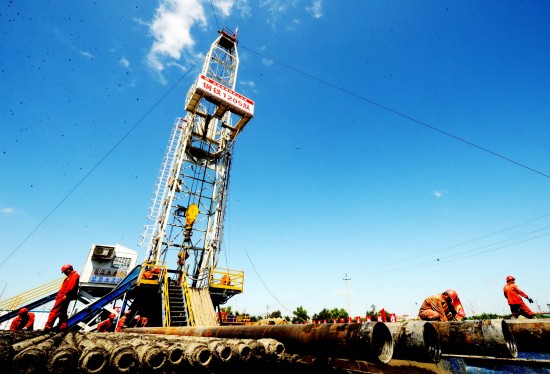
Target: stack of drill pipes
x: 93, y: 359
x: 181, y: 353
x: 371, y: 341
x: 122, y: 356
x: 35, y: 356
x: 415, y: 341
x: 273, y: 347
x: 12, y: 342
x: 65, y: 357
x: 151, y: 356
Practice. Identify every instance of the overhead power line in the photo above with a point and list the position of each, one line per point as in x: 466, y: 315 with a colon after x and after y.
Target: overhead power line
x: 396, y: 112
x: 101, y: 160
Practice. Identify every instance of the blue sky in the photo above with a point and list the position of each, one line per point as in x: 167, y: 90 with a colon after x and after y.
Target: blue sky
x: 357, y: 161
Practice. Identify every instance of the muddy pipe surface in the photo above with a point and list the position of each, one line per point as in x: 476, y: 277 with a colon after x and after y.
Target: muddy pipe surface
x: 371, y: 341
x: 531, y: 335
x: 65, y: 357
x: 35, y: 358
x: 415, y: 341
x: 479, y: 338
x: 93, y: 359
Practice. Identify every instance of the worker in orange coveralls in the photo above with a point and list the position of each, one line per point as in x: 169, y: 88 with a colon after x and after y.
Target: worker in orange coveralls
x: 122, y: 321
x: 67, y: 293
x: 24, y: 320
x: 513, y: 294
x: 443, y: 307
x: 105, y: 326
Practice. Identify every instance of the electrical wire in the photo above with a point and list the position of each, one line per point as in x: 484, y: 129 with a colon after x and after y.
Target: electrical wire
x: 214, y: 13
x: 460, y: 256
x: 105, y: 156
x: 459, y: 244
x: 396, y: 112
x: 256, y: 270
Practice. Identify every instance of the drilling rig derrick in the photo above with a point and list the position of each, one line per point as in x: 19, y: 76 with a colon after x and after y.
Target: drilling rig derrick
x: 185, y: 229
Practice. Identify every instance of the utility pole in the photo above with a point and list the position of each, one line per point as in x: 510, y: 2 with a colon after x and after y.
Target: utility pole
x: 267, y: 311
x: 346, y: 279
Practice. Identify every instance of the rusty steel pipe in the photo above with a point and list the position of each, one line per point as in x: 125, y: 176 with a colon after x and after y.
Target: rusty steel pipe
x: 65, y: 357
x: 531, y: 335
x: 371, y: 341
x: 415, y: 341
x: 34, y: 359
x: 478, y: 338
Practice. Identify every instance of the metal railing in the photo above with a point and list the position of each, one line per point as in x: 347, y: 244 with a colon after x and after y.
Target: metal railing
x: 188, y: 304
x: 26, y: 297
x: 227, y: 279
x: 152, y: 272
x: 166, y: 292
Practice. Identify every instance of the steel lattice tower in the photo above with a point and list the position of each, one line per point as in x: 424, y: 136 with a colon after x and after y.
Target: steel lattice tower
x: 195, y: 170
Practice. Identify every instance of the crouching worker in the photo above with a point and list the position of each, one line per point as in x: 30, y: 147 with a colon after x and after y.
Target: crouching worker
x: 23, y: 321
x: 108, y: 324
x: 443, y: 307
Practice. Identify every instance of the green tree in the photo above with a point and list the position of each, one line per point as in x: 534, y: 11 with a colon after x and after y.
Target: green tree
x: 338, y: 313
x: 228, y: 310
x: 322, y: 315
x: 372, y: 312
x: 300, y: 315
x: 275, y: 314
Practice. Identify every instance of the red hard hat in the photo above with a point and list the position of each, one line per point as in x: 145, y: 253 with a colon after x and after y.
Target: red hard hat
x: 510, y: 278
x: 23, y: 311
x: 112, y: 315
x: 65, y: 267
x: 452, y: 294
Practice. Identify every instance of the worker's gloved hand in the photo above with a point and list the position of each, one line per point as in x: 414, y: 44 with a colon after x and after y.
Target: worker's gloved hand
x: 530, y: 300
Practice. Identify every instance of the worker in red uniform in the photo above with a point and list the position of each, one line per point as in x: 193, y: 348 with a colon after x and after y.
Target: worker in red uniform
x: 67, y: 293
x: 105, y: 326
x: 122, y: 321
x: 443, y: 307
x: 513, y: 294
x: 23, y: 321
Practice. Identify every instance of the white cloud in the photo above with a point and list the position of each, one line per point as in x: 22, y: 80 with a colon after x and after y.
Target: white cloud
x: 7, y: 210
x: 293, y: 24
x: 224, y: 6
x: 124, y: 62
x: 172, y: 23
x: 250, y: 84
x: 267, y: 61
x: 86, y: 54
x: 316, y: 9
x: 171, y: 29
x: 439, y: 194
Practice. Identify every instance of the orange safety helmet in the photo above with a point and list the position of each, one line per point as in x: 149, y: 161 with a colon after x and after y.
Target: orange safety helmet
x: 23, y: 311
x: 66, y: 267
x: 510, y: 278
x: 452, y: 294
x: 457, y: 304
x: 112, y: 315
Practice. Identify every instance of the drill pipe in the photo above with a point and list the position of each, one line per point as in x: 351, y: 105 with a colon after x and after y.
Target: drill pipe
x: 151, y: 356
x: 478, y: 338
x: 531, y: 335
x: 273, y: 347
x: 34, y: 358
x: 371, y: 341
x: 121, y: 355
x: 415, y: 341
x: 65, y: 357
x: 93, y: 359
